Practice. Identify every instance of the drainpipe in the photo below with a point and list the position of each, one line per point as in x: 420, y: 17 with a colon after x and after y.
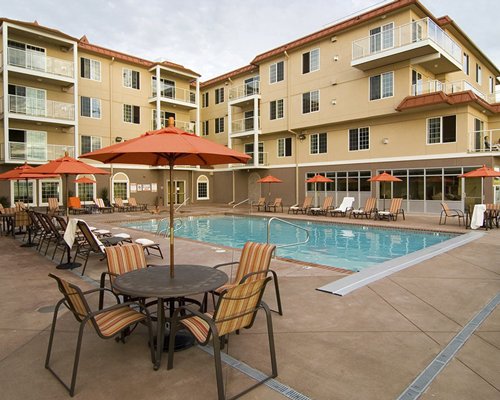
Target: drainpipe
x: 110, y: 182
x: 296, y: 165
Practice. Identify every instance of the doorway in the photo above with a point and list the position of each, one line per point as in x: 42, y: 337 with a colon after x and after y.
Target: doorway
x: 179, y: 192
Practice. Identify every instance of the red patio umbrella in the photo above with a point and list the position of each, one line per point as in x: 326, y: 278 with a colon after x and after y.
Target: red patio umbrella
x: 168, y: 146
x: 482, y: 172
x: 318, y: 179
x: 384, y: 177
x: 84, y: 179
x: 269, y: 179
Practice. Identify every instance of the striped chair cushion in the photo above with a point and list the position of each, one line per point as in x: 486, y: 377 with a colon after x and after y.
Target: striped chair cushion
x: 22, y: 219
x: 53, y: 203
x: 254, y: 257
x: 113, y: 321
x: 198, y: 327
x: 122, y: 259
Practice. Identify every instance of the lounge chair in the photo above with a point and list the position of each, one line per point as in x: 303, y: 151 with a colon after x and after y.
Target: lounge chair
x: 135, y: 206
x: 120, y: 206
x: 323, y: 210
x: 305, y: 206
x: 53, y: 208
x: 452, y: 213
x: 344, y: 207
x: 393, y: 212
x: 278, y: 202
x: 75, y: 206
x: 261, y: 203
x: 236, y: 309
x: 108, y: 322
x: 101, y: 206
x: 367, y: 210
x: 148, y: 245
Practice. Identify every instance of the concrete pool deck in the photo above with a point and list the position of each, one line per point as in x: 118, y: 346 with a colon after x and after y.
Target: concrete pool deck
x: 369, y: 344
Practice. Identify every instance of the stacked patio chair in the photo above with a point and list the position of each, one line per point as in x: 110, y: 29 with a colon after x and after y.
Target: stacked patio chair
x: 57, y: 236
x: 101, y: 206
x: 394, y: 210
x: 261, y: 204
x: 305, y: 206
x: 447, y: 212
x: 367, y: 210
x: 120, y: 206
x: 344, y: 207
x: 278, y: 203
x: 53, y: 208
x: 107, y: 322
x: 323, y: 210
x: 236, y: 309
x: 132, y: 202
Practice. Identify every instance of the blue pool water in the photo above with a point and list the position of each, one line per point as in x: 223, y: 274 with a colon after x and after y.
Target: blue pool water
x: 352, y: 247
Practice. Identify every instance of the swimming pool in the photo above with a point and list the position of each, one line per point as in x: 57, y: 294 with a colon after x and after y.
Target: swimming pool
x: 352, y: 247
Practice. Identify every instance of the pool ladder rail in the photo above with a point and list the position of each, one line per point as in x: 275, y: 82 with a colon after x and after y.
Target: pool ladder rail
x: 165, y: 230
x: 284, y: 221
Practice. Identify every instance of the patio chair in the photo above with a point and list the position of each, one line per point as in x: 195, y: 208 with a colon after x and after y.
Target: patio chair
x: 323, y: 210
x: 120, y: 206
x: 367, y: 210
x: 53, y: 208
x: 46, y: 235
x: 91, y: 244
x: 451, y: 213
x: 492, y: 215
x: 107, y: 322
x: 344, y: 207
x: 393, y: 212
x: 101, y: 206
x: 236, y: 309
x: 132, y: 202
x: 75, y: 206
x: 261, y: 203
x: 278, y: 202
x: 148, y: 245
x: 56, y: 235
x: 255, y: 257
x: 305, y: 206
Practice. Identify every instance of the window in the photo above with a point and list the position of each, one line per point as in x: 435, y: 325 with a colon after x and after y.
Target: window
x: 219, y: 95
x: 23, y: 191
x: 27, y: 145
x: 219, y: 125
x: 202, y: 186
x: 164, y: 116
x: 167, y: 87
x: 90, y: 69
x: 90, y: 143
x: 310, y: 61
x: 382, y: 38
x: 277, y: 72
x: 441, y: 129
x: 249, y: 149
x: 466, y: 64
x: 90, y: 107
x: 50, y: 189
x: 276, y: 109
x: 310, y: 102
x: 27, y: 100
x: 416, y: 83
x: 204, y: 100
x: 131, y: 114
x: 285, y: 147
x: 382, y: 86
x: 359, y: 139
x: 131, y: 79
x: 205, y: 128
x: 491, y: 84
x: 318, y: 143
x: 86, y: 191
x: 479, y: 74
x: 120, y: 186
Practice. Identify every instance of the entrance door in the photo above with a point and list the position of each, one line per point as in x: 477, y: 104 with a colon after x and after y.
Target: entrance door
x: 180, y: 192
x: 416, y: 82
x: 253, y: 187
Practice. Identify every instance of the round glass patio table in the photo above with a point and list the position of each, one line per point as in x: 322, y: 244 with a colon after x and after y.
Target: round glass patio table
x: 156, y: 282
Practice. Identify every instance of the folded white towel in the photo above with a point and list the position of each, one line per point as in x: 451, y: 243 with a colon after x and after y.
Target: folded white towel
x: 144, y: 241
x: 477, y: 216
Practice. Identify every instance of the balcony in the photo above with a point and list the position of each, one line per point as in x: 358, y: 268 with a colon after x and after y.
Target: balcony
x: 54, y: 69
x: 262, y: 161
x: 244, y: 127
x: 27, y: 108
x: 185, y: 126
x: 434, y: 86
x: 422, y: 41
x: 17, y: 151
x: 244, y: 93
x: 175, y: 96
x: 484, y: 141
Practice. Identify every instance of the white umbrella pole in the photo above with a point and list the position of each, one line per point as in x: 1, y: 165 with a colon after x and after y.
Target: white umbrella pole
x: 171, y: 200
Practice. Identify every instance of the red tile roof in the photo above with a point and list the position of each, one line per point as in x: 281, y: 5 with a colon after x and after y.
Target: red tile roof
x: 430, y: 99
x: 228, y: 75
x: 36, y: 25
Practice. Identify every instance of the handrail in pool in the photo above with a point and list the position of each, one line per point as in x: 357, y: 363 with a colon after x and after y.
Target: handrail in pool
x: 182, y: 204
x: 241, y: 202
x: 166, y: 231
x: 289, y: 223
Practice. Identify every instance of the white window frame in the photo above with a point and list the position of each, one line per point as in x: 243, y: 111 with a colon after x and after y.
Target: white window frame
x: 311, y: 65
x: 59, y: 197
x: 127, y: 78
x: 202, y: 179
x: 281, y: 147
x: 479, y: 74
x: 358, y: 134
x: 131, y: 114
x: 204, y: 100
x: 92, y: 140
x: 93, y: 101
x: 382, y: 97
x: 94, y: 188
x: 118, y: 179
x: 219, y: 95
x: 205, y: 128
x: 273, y: 74
x: 276, y: 109
x: 95, y: 69
x: 384, y: 30
x: 466, y: 64
x: 427, y: 121
x: 317, y: 136
x: 491, y: 84
x: 217, y: 130
x: 310, y: 102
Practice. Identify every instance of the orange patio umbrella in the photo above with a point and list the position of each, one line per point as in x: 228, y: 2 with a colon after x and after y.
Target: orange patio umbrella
x: 384, y: 177
x: 482, y: 172
x: 168, y: 146
x: 84, y: 179
x: 318, y: 179
x: 269, y: 179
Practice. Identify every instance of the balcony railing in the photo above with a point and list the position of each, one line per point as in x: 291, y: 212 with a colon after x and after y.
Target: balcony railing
x: 41, y: 108
x: 36, y: 153
x: 174, y: 93
x: 485, y: 141
x: 262, y: 158
x: 244, y: 125
x: 403, y: 35
x: 433, y: 86
x: 185, y: 126
x: 245, y: 90
x: 40, y: 62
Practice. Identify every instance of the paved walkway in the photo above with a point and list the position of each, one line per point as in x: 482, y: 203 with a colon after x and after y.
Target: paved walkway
x: 370, y: 344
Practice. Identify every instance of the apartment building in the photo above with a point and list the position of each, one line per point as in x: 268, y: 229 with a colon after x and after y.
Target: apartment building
x: 392, y: 89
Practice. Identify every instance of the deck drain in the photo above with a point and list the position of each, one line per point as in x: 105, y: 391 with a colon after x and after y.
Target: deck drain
x: 46, y: 309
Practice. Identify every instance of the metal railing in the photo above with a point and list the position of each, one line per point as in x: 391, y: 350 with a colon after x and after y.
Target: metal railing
x: 184, y: 125
x: 37, y: 61
x: 34, y: 153
x: 163, y: 228
x: 41, y: 108
x: 407, y: 34
x: 182, y: 204
x: 241, y: 202
x: 433, y: 86
x: 175, y: 93
x: 485, y: 141
x: 288, y: 223
x: 262, y: 158
x: 244, y: 125
x: 245, y: 90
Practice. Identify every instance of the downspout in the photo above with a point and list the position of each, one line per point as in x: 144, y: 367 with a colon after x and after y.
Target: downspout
x: 110, y: 190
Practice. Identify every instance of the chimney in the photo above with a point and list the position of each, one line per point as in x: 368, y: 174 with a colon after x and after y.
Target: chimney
x: 171, y: 122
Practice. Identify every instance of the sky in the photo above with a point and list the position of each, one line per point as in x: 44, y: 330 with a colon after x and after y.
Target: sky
x: 213, y: 37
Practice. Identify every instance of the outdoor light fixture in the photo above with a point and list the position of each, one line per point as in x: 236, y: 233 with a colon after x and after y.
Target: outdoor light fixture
x: 385, y: 140
x: 118, y: 139
x: 302, y: 137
